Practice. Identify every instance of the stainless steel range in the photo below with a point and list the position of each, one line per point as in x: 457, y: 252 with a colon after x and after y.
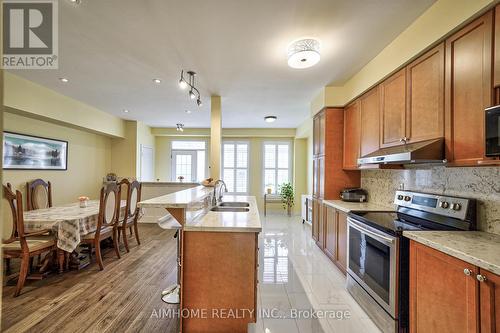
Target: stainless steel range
x: 378, y: 254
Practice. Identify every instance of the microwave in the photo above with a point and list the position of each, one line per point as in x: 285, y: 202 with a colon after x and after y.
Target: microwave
x: 492, y: 131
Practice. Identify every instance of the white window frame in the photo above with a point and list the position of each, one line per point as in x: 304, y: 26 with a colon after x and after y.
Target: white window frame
x: 236, y: 142
x: 172, y: 161
x: 290, y: 163
x: 194, y: 164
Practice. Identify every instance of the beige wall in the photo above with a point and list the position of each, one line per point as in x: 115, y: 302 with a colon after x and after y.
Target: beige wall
x: 163, y: 154
x: 432, y: 25
x: 305, y: 131
x: 144, y: 138
x: 124, y: 150
x: 27, y: 96
x: 89, y: 160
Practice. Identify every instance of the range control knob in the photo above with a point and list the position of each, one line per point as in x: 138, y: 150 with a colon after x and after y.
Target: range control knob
x: 407, y: 198
x: 400, y: 197
x: 456, y: 206
x: 444, y: 204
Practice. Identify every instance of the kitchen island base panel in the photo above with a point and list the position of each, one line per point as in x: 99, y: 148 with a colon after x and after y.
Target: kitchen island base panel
x: 219, y: 276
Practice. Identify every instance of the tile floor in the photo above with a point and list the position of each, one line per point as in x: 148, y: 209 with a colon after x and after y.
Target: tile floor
x: 295, y: 274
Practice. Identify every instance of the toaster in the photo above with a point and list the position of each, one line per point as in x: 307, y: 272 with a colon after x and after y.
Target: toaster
x: 354, y: 195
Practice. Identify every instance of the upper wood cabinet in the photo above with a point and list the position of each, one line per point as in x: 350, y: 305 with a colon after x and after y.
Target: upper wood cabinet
x: 489, y: 298
x: 351, y: 135
x: 393, y: 109
x: 468, y: 90
x: 319, y: 123
x: 425, y: 96
x: 369, y: 105
x: 440, y: 283
x: 496, y: 66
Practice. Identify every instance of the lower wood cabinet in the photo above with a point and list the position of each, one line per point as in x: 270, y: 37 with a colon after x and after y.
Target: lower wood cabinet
x: 451, y: 295
x: 334, y: 233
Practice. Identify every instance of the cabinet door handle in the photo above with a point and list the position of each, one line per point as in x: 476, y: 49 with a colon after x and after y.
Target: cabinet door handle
x: 481, y: 278
x: 467, y: 271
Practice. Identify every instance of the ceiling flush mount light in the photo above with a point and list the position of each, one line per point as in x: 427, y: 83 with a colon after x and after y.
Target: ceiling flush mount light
x: 63, y: 80
x: 180, y: 127
x: 193, y: 92
x: 188, y: 111
x: 125, y: 110
x: 270, y: 119
x: 303, y: 53
x: 75, y: 2
x: 157, y: 81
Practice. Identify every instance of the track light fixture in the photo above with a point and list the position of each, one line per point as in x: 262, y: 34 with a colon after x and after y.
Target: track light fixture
x: 193, y: 92
x: 180, y: 127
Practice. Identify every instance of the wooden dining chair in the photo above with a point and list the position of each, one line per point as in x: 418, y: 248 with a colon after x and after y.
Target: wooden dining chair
x: 107, y: 222
x: 39, y: 194
x: 21, y: 244
x: 129, y: 218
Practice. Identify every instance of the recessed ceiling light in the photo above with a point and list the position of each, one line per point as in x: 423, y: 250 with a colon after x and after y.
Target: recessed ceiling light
x: 188, y: 111
x: 125, y: 110
x: 157, y: 81
x: 303, y: 53
x: 63, y: 79
x: 270, y: 119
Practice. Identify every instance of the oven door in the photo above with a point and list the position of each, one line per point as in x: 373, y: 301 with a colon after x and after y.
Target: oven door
x: 492, y: 132
x: 372, y: 262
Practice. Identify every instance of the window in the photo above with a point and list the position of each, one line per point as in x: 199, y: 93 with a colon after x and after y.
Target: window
x: 235, y: 166
x: 277, y: 161
x: 188, y: 160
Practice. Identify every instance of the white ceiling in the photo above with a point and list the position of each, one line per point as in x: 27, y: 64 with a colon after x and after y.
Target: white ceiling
x: 112, y: 49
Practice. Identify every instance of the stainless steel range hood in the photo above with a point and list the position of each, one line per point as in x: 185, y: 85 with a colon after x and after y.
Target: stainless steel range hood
x: 431, y: 151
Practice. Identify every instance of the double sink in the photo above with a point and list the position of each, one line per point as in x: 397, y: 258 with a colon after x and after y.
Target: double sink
x: 232, y: 206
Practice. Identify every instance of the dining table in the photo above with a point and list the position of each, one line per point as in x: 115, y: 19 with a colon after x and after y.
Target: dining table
x: 68, y: 223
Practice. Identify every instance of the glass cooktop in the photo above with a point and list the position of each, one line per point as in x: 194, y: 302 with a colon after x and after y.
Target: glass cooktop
x: 391, y: 222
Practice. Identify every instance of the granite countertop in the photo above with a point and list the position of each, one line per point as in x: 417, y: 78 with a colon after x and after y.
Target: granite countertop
x: 179, y: 199
x: 228, y: 221
x: 475, y: 247
x: 356, y: 206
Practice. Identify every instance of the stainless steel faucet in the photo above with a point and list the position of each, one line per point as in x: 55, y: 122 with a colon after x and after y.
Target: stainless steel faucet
x: 216, y: 199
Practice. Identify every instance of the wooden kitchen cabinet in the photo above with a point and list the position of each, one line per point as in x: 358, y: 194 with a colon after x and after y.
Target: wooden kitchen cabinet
x: 352, y: 136
x: 315, y: 219
x: 468, y: 90
x: 335, y: 245
x: 393, y: 109
x: 443, y: 298
x: 496, y: 65
x: 329, y: 177
x: 425, y: 96
x: 369, y: 105
x: 330, y: 232
x: 489, y: 297
x: 341, y: 242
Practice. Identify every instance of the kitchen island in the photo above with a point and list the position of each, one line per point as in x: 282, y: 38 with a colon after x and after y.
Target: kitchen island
x: 218, y: 259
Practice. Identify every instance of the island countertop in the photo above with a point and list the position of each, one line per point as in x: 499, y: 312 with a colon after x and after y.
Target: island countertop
x: 228, y: 221
x: 180, y: 199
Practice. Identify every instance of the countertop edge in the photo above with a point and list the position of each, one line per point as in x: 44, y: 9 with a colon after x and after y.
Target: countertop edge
x: 418, y: 237
x: 342, y: 206
x: 150, y: 203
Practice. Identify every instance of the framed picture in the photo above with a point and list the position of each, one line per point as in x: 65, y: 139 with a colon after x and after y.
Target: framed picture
x: 27, y: 152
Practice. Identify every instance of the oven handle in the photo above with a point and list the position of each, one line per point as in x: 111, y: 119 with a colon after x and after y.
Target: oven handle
x: 357, y: 226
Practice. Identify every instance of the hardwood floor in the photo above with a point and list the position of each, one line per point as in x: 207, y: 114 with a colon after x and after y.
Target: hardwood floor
x: 125, y: 297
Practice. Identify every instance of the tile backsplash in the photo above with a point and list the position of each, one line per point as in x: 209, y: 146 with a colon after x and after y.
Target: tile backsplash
x: 481, y: 183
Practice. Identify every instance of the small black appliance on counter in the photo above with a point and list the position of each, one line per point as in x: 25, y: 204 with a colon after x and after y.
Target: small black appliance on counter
x: 354, y: 195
